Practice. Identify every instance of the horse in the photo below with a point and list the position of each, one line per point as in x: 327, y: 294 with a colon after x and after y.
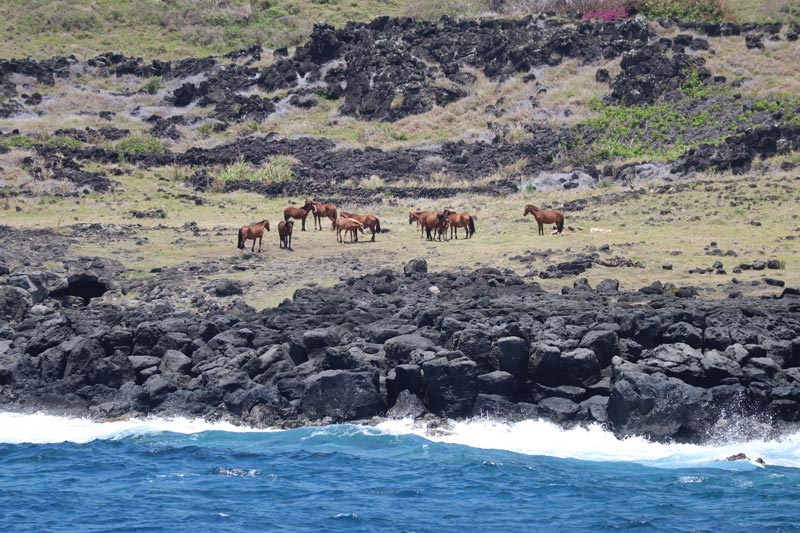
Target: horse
x: 299, y: 212
x: 437, y: 222
x: 418, y: 216
x: 252, y: 232
x: 323, y: 210
x: 368, y: 221
x: 464, y: 220
x: 545, y: 216
x: 285, y: 233
x: 346, y: 225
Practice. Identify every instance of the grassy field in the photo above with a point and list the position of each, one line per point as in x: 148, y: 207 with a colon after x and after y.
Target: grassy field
x: 648, y: 228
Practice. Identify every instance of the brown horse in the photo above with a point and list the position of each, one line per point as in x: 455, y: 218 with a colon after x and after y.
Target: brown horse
x: 464, y: 220
x: 368, y: 221
x: 419, y: 216
x: 299, y: 212
x: 252, y: 232
x: 323, y: 210
x: 285, y: 233
x: 437, y: 223
x: 545, y: 216
x: 348, y: 225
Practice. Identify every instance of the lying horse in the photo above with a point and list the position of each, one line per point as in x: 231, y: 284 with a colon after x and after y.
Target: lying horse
x: 419, y: 216
x: 323, y: 210
x: 346, y: 225
x: 464, y: 220
x: 252, y: 232
x: 368, y: 221
x: 285, y: 233
x: 299, y: 212
x: 545, y: 216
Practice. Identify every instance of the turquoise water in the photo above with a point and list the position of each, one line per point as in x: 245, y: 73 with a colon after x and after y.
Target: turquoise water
x: 183, y: 476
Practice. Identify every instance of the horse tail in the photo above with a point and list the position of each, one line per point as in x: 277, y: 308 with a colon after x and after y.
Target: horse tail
x: 377, y: 225
x: 560, y: 224
x: 241, y: 239
x: 471, y: 226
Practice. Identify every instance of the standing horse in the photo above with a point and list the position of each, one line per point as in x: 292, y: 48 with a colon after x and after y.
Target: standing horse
x: 545, y: 216
x: 368, y: 221
x: 299, y: 212
x: 419, y: 216
x: 436, y: 222
x: 464, y: 220
x: 252, y: 232
x: 348, y: 225
x: 285, y: 233
x: 323, y: 210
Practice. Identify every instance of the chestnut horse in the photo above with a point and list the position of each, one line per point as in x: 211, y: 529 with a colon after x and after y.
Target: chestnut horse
x: 464, y: 220
x: 252, y: 232
x: 348, y: 225
x: 545, y: 216
x: 368, y: 221
x: 436, y: 222
x: 419, y: 216
x: 299, y: 212
x: 323, y: 210
x: 285, y: 233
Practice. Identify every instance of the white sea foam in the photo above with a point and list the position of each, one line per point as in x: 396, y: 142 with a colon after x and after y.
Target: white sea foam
x: 530, y: 437
x: 538, y: 437
x: 41, y: 428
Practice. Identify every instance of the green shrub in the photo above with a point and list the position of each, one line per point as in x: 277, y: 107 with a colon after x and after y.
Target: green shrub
x: 153, y: 85
x: 61, y: 17
x: 62, y: 141
x: 277, y: 169
x: 141, y: 144
x: 711, y: 10
x: 18, y: 141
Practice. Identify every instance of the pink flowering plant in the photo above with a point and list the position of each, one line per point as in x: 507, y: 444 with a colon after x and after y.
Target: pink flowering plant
x: 607, y: 14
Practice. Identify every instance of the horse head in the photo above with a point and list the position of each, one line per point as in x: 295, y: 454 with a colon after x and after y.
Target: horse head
x: 529, y: 209
x: 448, y: 212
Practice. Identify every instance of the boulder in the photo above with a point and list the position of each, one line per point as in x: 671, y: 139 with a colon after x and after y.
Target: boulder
x: 415, y: 267
x: 685, y: 333
x: 603, y: 343
x: 512, y: 357
x: 175, y: 362
x: 398, y: 349
x: 559, y: 410
x: 14, y: 303
x: 660, y: 407
x: 341, y: 395
x: 407, y: 405
x: 498, y: 383
x: 452, y: 386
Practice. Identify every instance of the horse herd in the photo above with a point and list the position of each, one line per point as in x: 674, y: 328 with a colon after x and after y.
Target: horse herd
x: 431, y: 224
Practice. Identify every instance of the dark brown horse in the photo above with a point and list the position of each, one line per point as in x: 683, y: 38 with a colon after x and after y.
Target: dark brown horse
x: 285, y: 233
x: 418, y: 216
x: 464, y: 220
x: 252, y: 232
x: 436, y: 223
x: 323, y: 210
x: 348, y: 225
x: 300, y: 212
x: 545, y: 216
x: 368, y: 221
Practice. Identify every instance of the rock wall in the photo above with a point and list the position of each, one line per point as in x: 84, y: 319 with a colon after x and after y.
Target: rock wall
x: 482, y: 343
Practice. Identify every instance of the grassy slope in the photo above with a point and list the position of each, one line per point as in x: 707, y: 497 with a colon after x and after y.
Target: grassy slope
x: 639, y: 231
x: 183, y: 28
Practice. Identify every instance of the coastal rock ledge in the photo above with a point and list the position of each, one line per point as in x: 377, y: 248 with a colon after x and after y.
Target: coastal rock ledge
x: 483, y: 344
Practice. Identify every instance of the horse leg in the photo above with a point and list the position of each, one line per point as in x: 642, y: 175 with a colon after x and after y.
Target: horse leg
x: 541, y: 227
x: 253, y: 249
x: 303, y: 218
x: 373, y: 233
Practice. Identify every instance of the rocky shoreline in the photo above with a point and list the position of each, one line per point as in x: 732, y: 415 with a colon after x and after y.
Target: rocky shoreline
x: 406, y: 344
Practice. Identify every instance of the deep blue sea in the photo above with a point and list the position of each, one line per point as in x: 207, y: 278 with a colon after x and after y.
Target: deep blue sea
x: 59, y: 474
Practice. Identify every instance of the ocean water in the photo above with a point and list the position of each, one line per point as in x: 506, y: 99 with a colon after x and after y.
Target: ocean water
x: 59, y: 474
